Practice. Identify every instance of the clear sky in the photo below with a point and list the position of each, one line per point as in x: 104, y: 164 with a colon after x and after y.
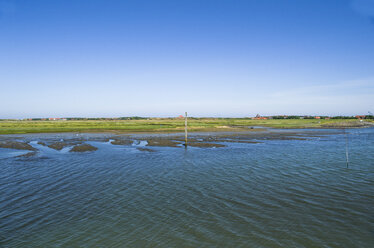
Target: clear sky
x: 109, y: 58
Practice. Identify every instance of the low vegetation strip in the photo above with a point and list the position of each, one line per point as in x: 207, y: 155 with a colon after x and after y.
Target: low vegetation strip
x: 169, y: 125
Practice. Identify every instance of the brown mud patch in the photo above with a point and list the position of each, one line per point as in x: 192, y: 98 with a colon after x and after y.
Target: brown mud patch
x: 215, y: 139
x: 145, y: 149
x: 16, y: 145
x: 162, y: 142
x: 350, y: 124
x: 254, y: 137
x: 27, y: 155
x: 122, y: 142
x: 204, y: 145
x: 83, y: 148
x: 60, y: 145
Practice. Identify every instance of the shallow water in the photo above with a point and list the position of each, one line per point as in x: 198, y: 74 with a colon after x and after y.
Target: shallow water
x: 280, y: 193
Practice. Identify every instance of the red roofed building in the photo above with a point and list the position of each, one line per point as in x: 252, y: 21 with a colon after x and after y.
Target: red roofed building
x: 258, y: 117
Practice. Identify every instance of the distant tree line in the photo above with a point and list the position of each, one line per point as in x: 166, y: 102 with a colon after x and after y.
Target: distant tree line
x: 314, y: 117
x: 368, y: 117
x: 343, y: 117
x: 133, y: 118
x: 291, y: 117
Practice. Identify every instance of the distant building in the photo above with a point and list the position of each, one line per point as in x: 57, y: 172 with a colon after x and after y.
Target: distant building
x: 360, y: 116
x: 258, y: 117
x: 57, y: 119
x: 317, y: 117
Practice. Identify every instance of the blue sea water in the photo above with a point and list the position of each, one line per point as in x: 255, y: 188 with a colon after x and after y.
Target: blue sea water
x: 279, y: 193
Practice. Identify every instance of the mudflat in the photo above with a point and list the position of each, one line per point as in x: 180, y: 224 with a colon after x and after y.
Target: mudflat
x: 80, y: 142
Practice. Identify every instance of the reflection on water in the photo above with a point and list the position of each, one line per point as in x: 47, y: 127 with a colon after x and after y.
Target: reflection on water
x: 280, y: 193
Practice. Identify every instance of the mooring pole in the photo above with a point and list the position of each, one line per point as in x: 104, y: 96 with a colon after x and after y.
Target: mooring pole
x: 185, y: 130
x: 346, y: 147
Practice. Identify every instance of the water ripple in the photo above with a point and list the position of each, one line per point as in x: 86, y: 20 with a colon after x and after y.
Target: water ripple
x: 274, y: 194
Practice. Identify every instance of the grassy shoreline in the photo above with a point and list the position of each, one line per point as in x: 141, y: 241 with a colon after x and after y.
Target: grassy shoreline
x: 170, y: 125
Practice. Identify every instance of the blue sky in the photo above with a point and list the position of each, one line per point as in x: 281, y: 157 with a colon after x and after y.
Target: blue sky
x: 164, y: 57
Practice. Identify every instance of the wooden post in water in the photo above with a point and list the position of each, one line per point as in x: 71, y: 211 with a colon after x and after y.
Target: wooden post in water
x: 346, y: 147
x: 185, y: 130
